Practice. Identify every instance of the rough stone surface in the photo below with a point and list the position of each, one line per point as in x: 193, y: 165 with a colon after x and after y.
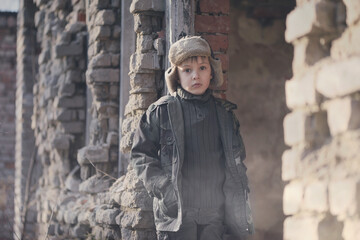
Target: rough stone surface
x: 300, y: 127
x: 80, y: 231
x: 105, y: 17
x: 142, y: 6
x: 308, y: 51
x: 290, y: 168
x: 348, y: 119
x: 107, y: 216
x: 319, y: 20
x: 93, y: 154
x: 315, y: 197
x: 347, y: 44
x: 103, y: 75
x: 301, y: 92
x: 312, y: 227
x: 293, y: 197
x: 140, y: 234
x: 140, y: 200
x: 297, y: 228
x: 70, y: 216
x: 62, y: 50
x: 343, y: 195
x: 339, y: 78
x: 101, y: 60
x: 148, y: 61
x: 94, y: 185
x: 351, y: 230
x: 352, y: 11
x: 137, y: 219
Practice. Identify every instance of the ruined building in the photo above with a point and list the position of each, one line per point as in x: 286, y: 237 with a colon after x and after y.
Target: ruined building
x: 86, y: 70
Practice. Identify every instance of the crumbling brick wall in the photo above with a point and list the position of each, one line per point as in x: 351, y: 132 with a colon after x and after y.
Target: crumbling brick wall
x: 59, y: 103
x: 321, y: 168
x: 76, y: 37
x: 146, y: 70
x: 102, y: 78
x: 92, y: 209
x: 7, y: 121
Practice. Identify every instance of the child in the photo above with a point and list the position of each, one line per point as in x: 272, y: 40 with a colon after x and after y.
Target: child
x: 189, y: 153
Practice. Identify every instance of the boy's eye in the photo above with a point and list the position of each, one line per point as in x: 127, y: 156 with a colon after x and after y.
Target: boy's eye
x: 187, y: 70
x: 202, y: 68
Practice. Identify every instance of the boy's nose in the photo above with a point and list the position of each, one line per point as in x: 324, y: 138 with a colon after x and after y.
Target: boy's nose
x: 195, y: 75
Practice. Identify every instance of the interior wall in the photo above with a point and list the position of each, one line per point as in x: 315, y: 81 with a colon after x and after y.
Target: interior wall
x: 260, y: 63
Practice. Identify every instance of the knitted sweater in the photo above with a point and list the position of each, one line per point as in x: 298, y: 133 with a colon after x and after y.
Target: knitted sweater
x: 203, y: 170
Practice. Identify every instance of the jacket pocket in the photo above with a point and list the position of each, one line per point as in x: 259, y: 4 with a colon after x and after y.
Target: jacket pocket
x: 168, y: 204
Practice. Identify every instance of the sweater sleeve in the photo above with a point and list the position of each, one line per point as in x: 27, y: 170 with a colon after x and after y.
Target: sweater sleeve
x: 144, y: 154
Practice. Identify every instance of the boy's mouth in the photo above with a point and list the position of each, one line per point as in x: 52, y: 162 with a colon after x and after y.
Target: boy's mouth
x: 196, y: 85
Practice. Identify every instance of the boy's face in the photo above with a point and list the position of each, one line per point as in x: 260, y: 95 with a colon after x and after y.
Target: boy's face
x: 195, y: 75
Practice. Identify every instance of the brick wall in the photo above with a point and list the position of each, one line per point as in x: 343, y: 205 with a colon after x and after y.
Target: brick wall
x: 102, y: 78
x: 7, y: 121
x: 321, y: 168
x: 87, y: 206
x: 59, y: 103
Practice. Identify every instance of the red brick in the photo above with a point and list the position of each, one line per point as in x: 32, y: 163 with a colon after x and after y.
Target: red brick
x: 11, y: 22
x: 224, y: 58
x: 215, y: 6
x: 81, y: 16
x: 161, y: 34
x: 212, y: 24
x: 218, y: 43
x: 10, y: 165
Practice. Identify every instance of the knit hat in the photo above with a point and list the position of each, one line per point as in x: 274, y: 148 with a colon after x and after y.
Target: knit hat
x: 185, y: 48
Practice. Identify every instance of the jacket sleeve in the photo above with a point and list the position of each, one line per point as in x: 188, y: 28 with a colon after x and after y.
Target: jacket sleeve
x: 144, y: 154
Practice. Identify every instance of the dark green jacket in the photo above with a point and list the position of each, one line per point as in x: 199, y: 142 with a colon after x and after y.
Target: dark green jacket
x: 158, y: 153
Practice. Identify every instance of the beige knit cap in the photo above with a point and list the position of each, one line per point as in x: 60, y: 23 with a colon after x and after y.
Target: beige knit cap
x: 191, y: 46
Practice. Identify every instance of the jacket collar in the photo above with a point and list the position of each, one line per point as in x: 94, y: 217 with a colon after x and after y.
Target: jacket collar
x: 182, y: 93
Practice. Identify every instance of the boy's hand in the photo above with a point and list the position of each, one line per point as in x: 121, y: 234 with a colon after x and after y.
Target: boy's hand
x: 169, y: 199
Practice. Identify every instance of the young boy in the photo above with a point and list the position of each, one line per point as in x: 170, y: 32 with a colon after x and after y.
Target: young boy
x: 189, y: 153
